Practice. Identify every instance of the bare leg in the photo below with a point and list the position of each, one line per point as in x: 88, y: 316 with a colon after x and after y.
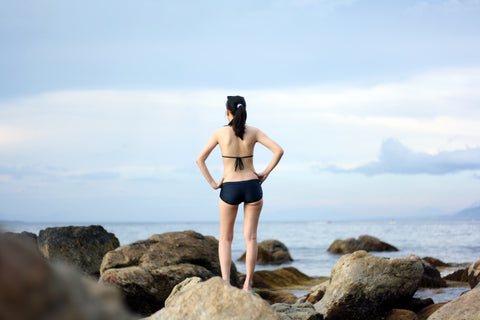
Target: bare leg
x: 228, y: 213
x: 250, y: 223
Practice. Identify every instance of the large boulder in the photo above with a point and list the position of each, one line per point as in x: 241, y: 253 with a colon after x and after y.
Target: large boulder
x: 474, y: 274
x: 464, y: 307
x: 33, y: 288
x: 215, y: 299
x: 147, y: 271
x: 366, y: 287
x: 82, y: 247
x: 271, y: 252
x: 364, y: 242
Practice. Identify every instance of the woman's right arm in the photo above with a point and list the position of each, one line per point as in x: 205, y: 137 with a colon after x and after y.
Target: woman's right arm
x: 277, y: 154
x: 202, y: 157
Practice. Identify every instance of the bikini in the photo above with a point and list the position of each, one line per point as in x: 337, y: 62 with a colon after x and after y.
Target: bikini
x: 236, y: 192
x: 238, y: 161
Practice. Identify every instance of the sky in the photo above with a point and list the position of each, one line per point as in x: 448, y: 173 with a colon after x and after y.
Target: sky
x: 105, y: 105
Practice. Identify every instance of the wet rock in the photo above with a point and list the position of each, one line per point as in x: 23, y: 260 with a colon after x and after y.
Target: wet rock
x: 460, y: 275
x: 283, y: 278
x: 82, y: 247
x: 464, y: 307
x: 215, y: 299
x: 304, y: 311
x: 426, y: 312
x: 276, y: 296
x: 401, y: 314
x: 364, y: 242
x: 431, y: 277
x: 366, y: 287
x: 147, y: 271
x: 271, y: 252
x: 435, y: 262
x: 31, y: 288
x: 474, y: 274
x: 417, y: 304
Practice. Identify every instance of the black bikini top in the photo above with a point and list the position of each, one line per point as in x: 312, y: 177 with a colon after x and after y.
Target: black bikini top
x: 238, y: 161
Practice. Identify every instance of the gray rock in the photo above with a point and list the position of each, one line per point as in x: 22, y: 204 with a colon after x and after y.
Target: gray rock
x: 82, y: 247
x: 464, y: 307
x: 366, y: 287
x: 146, y: 271
x: 303, y: 311
x: 215, y: 299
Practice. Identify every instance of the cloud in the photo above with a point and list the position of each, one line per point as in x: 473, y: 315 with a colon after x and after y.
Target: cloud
x: 17, y: 173
x: 86, y: 130
x: 445, y: 6
x: 398, y: 159
x: 155, y: 173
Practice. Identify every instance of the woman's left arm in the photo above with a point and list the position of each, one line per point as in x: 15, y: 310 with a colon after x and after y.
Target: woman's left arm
x: 202, y: 157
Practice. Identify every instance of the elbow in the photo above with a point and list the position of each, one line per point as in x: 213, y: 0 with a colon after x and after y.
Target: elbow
x: 280, y: 152
x: 200, y: 160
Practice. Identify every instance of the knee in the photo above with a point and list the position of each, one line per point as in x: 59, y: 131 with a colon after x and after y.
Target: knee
x: 226, y: 238
x: 250, y: 237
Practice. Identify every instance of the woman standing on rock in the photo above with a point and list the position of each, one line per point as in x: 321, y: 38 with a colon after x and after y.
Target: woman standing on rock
x: 240, y: 182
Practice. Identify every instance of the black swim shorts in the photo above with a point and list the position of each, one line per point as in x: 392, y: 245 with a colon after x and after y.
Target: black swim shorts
x: 236, y: 192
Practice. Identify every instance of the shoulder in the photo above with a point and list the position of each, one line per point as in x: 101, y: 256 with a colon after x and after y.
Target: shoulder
x: 220, y: 131
x: 252, y: 130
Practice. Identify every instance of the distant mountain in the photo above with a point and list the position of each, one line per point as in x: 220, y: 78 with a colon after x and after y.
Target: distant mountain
x: 469, y: 213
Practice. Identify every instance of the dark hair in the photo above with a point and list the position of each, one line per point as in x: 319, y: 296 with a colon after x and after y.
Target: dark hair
x: 238, y: 108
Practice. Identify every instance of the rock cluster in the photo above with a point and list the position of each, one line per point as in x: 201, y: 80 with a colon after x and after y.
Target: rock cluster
x: 146, y: 271
x: 364, y: 242
x: 175, y: 276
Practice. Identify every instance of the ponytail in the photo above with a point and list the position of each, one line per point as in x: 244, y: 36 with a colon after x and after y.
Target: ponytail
x: 238, y: 108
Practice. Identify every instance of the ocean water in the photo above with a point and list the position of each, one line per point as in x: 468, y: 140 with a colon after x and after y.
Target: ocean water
x: 449, y: 241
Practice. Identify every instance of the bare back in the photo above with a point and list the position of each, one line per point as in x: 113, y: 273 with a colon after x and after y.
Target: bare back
x: 233, y: 146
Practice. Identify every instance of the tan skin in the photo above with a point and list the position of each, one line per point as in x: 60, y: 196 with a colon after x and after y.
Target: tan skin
x: 232, y: 145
